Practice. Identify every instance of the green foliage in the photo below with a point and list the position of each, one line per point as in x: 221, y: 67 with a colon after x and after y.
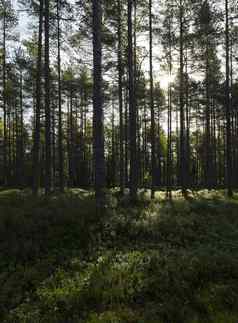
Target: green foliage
x: 159, y: 262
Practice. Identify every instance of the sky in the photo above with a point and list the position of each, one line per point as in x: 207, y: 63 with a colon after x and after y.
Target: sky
x: 23, y: 27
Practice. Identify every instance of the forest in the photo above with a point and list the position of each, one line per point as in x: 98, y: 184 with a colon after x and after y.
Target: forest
x: 119, y: 161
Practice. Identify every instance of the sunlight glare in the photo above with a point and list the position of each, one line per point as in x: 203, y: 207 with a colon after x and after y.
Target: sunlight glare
x: 165, y: 80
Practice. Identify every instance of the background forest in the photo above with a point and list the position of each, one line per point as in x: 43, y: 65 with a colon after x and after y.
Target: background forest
x: 168, y: 91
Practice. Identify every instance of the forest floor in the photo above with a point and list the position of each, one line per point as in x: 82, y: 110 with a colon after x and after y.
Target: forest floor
x: 159, y: 262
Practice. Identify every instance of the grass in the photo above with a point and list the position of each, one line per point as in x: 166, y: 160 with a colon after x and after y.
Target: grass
x: 160, y: 262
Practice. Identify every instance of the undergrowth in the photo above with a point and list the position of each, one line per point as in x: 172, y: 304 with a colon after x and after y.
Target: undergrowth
x: 160, y: 262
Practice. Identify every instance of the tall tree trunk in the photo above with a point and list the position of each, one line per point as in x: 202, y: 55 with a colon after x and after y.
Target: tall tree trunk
x: 53, y: 136
x: 187, y: 113
x: 69, y: 145
x: 152, y: 111
x: 120, y: 74
x: 48, y: 160
x: 136, y: 79
x: 5, y: 159
x: 9, y: 144
x: 207, y: 170
x: 228, y: 113
x: 169, y: 146
x: 21, y: 144
x: 177, y: 148
x: 181, y: 99
x: 132, y: 110
x: 36, y: 143
x: 143, y: 150
x: 71, y: 141
x: 60, y: 131
x: 233, y: 116
x: 98, y: 118
x: 126, y: 137
x: 113, y: 158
